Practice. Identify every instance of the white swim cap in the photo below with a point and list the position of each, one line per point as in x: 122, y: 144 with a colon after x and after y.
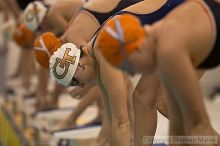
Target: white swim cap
x: 64, y: 62
x: 34, y: 14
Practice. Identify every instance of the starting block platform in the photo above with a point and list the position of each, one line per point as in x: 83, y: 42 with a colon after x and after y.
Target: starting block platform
x: 76, y: 137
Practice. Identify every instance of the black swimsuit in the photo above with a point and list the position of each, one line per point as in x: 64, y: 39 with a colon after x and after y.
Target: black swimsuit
x: 213, y: 59
x: 152, y: 17
x: 102, y: 17
x: 23, y: 3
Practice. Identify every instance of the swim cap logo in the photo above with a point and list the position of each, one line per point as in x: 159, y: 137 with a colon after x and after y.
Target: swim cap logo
x: 32, y: 13
x: 64, y: 63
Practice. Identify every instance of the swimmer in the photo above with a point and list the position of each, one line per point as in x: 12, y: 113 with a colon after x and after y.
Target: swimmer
x: 92, y: 15
x: 97, y: 63
x: 194, y: 47
x: 51, y: 17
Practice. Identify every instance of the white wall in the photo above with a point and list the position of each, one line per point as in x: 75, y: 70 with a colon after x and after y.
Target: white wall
x: 210, y: 80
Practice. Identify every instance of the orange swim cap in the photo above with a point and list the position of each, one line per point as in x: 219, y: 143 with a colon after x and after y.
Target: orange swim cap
x: 44, y: 47
x: 119, y: 37
x: 22, y: 35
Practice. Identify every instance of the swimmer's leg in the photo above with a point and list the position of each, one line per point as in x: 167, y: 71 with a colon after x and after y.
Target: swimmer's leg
x: 162, y: 102
x: 41, y: 102
x: 145, y: 111
x: 181, y: 79
x: 102, y: 138
x: 27, y: 69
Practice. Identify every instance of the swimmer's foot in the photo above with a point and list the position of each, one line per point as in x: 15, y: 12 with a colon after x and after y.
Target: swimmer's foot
x: 44, y: 105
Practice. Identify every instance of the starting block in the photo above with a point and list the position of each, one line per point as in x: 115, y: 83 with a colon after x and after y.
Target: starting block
x: 76, y: 137
x: 51, y: 118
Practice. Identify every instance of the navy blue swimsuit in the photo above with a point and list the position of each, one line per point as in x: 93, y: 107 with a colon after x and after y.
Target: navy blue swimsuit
x: 213, y: 59
x: 23, y: 3
x: 158, y: 14
x: 102, y: 17
x: 151, y: 17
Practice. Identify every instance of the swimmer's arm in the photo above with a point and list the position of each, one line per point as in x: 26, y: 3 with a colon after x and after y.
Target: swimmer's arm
x: 117, y: 101
x: 114, y: 84
x: 113, y: 81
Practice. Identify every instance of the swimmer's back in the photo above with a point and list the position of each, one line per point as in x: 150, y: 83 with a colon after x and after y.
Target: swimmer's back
x: 102, y: 11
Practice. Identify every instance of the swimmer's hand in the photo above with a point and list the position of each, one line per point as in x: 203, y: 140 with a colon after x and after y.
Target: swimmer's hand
x: 76, y: 92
